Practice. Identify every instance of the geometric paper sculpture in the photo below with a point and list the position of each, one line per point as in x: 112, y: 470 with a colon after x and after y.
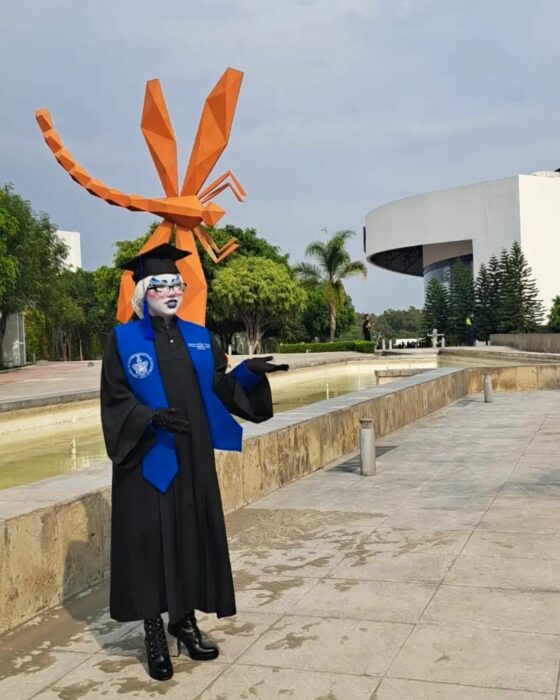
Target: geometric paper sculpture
x: 186, y: 208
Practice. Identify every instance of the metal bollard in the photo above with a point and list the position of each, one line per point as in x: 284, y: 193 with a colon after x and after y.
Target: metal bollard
x: 488, y: 389
x: 367, y: 447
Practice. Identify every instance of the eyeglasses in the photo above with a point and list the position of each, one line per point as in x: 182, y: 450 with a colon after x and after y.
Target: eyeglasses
x: 163, y: 289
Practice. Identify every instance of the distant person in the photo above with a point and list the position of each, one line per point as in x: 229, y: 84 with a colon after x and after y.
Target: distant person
x: 366, y: 327
x: 470, y: 330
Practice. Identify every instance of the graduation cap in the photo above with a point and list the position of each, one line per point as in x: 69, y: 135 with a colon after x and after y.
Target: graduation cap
x: 160, y: 260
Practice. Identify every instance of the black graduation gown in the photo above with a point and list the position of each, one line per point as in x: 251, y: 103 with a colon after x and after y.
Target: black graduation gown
x: 169, y: 551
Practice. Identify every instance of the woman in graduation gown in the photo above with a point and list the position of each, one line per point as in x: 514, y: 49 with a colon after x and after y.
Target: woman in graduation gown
x: 166, y: 401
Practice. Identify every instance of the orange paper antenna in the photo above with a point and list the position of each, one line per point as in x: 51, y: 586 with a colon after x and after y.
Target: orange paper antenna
x: 187, y: 210
x: 213, y: 130
x: 158, y: 132
x: 212, y: 188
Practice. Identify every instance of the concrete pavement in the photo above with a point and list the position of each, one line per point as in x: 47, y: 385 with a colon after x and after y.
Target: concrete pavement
x: 436, y: 579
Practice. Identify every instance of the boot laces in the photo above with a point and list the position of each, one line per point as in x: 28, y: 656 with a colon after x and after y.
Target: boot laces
x: 189, y: 625
x: 155, y: 636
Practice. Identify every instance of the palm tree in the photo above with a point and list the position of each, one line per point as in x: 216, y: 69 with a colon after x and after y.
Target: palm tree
x: 333, y: 266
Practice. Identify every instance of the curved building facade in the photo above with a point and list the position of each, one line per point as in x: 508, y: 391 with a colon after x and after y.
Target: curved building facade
x: 424, y: 235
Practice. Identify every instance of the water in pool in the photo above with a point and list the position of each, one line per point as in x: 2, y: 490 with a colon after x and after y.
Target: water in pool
x: 45, y: 442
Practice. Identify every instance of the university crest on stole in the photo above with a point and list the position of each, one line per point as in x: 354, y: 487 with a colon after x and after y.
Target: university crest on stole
x: 140, y: 365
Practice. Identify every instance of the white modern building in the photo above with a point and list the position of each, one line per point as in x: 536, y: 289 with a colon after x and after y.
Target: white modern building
x: 13, y: 342
x: 424, y: 235
x: 74, y: 255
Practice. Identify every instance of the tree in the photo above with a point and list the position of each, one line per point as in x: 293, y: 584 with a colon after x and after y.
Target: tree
x: 80, y: 311
x: 461, y: 302
x: 65, y: 319
x: 333, y: 267
x: 526, y: 309
x: 104, y: 290
x: 519, y: 308
x: 105, y: 285
x: 60, y: 327
x: 554, y: 315
x: 436, y: 308
x: 495, y: 292
x: 354, y: 330
x: 8, y: 263
x: 399, y: 323
x: 258, y: 292
x: 315, y: 315
x: 485, y: 303
x: 32, y: 256
x: 505, y: 291
x: 250, y: 245
x: 36, y: 336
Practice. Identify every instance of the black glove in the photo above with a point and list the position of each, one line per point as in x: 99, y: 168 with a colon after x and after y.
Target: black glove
x: 169, y: 419
x: 262, y: 366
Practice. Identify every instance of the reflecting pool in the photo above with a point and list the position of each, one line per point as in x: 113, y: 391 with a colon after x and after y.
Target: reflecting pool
x: 44, y: 442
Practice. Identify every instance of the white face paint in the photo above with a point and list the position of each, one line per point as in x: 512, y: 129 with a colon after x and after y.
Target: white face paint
x: 166, y: 298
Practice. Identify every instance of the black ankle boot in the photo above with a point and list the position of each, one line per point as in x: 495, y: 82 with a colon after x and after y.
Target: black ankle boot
x: 159, y: 664
x: 186, y: 630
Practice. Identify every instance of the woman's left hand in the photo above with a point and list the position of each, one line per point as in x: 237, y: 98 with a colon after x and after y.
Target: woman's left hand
x: 262, y: 365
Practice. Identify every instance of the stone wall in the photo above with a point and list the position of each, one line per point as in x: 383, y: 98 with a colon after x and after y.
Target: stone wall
x: 520, y: 378
x: 532, y: 342
x: 54, y: 534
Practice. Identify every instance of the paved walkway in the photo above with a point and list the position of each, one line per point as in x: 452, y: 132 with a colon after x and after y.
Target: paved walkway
x: 437, y: 579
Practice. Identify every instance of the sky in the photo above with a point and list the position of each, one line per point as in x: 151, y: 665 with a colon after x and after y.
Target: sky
x: 345, y: 106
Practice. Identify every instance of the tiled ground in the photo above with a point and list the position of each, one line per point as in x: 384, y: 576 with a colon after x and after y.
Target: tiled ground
x: 436, y: 579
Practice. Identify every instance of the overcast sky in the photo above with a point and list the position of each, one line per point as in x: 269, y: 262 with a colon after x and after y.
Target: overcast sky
x: 345, y: 105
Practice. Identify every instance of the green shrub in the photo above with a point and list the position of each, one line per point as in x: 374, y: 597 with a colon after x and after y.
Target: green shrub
x: 367, y: 346
x: 337, y: 346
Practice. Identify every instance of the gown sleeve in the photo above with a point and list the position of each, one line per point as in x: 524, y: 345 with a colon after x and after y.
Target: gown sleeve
x: 124, y: 419
x: 244, y: 394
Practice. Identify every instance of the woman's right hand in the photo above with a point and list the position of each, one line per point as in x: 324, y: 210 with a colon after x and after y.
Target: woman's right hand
x: 170, y: 419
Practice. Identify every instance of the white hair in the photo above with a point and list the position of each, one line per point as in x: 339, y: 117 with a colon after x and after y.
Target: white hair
x: 139, y: 294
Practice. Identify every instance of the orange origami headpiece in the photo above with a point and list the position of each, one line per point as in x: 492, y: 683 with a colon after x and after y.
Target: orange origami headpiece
x: 187, y: 209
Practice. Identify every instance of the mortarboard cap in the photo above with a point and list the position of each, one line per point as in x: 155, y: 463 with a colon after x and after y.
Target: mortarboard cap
x: 157, y: 261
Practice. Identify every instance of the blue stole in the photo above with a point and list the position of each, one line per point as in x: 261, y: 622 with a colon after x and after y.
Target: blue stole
x: 139, y: 361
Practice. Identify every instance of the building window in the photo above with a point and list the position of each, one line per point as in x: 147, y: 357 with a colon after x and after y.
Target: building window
x: 443, y: 270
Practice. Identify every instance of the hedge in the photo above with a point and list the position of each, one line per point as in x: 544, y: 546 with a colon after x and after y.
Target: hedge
x: 337, y: 346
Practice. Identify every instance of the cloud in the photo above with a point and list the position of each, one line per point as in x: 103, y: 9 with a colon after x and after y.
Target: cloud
x: 344, y: 105
x: 365, y: 132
